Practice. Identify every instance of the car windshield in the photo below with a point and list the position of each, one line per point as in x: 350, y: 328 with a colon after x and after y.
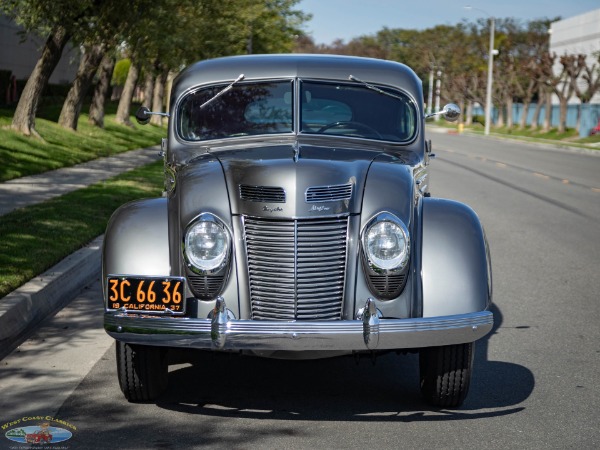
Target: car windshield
x: 358, y: 110
x: 326, y: 108
x: 245, y: 109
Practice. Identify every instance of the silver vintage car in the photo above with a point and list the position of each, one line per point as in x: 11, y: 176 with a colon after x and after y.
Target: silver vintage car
x: 297, y: 223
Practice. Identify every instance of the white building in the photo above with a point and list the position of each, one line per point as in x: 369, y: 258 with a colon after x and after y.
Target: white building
x: 577, y: 35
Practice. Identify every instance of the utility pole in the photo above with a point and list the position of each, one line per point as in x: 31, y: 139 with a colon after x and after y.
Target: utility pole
x: 490, y: 80
x: 490, y: 77
x: 430, y: 94
x: 438, y: 88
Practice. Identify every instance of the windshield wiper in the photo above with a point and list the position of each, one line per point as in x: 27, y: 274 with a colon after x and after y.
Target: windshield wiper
x: 221, y: 92
x: 374, y: 88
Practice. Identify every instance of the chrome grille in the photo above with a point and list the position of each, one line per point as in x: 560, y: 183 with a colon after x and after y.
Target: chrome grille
x: 329, y: 193
x: 205, y: 287
x: 387, y: 286
x: 269, y: 194
x: 296, y: 268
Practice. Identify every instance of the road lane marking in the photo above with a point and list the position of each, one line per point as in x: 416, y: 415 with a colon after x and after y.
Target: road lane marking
x: 503, y: 165
x: 541, y: 175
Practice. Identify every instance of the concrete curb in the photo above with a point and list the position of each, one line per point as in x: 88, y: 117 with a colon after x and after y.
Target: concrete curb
x: 24, y: 308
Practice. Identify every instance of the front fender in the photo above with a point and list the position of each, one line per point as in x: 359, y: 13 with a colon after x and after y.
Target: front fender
x: 136, y: 240
x: 456, y: 268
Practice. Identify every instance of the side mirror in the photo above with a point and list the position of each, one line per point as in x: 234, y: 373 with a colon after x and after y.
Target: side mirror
x: 143, y: 115
x: 451, y: 112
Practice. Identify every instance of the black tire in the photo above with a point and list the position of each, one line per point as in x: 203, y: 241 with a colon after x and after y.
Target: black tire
x: 143, y: 371
x: 446, y: 374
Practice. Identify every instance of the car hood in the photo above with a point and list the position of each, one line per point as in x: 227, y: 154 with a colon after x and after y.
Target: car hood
x: 295, y: 180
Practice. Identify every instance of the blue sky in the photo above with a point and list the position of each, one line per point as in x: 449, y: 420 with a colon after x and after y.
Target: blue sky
x: 346, y: 19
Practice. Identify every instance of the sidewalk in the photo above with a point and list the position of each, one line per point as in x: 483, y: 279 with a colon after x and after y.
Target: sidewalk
x: 26, y: 191
x: 24, y: 308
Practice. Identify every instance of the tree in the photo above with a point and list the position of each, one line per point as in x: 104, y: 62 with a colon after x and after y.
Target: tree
x: 590, y: 81
x: 58, y: 20
x: 587, y: 84
x: 88, y: 66
x: 96, y: 114
x: 201, y: 30
x: 148, y: 89
x: 24, y: 116
x: 108, y: 23
x: 564, y: 84
x: 158, y: 96
x: 124, y: 108
x: 533, y: 45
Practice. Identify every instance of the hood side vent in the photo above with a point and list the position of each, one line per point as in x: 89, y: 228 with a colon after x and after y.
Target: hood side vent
x: 267, y: 194
x: 334, y: 193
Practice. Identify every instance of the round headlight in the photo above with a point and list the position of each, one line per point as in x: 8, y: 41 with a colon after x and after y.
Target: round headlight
x: 387, y: 246
x: 207, y: 245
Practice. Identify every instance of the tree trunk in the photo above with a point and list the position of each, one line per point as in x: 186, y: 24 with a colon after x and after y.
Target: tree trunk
x: 24, y: 117
x: 562, y: 123
x: 469, y: 113
x: 578, y: 123
x: 500, y: 121
x: 88, y: 66
x: 535, y: 119
x: 168, y: 88
x: 509, y: 113
x: 157, y: 100
x: 548, y: 115
x: 524, y: 113
x: 148, y: 90
x: 97, y: 107
x: 123, y: 110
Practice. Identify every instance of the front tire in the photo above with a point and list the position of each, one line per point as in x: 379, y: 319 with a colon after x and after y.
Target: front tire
x: 446, y: 374
x: 143, y: 371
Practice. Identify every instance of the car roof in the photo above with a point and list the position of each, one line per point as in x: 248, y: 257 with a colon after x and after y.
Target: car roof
x: 308, y: 66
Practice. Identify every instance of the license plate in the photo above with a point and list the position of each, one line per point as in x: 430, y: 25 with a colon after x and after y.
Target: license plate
x: 146, y: 295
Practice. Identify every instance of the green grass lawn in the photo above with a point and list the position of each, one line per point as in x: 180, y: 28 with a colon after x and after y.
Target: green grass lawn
x: 21, y: 155
x: 38, y: 236
x: 34, y: 238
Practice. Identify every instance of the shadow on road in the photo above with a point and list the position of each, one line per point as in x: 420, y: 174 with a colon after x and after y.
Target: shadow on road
x: 228, y: 401
x: 336, y: 389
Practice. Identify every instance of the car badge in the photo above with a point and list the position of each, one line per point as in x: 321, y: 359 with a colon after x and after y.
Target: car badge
x: 271, y: 209
x: 315, y: 208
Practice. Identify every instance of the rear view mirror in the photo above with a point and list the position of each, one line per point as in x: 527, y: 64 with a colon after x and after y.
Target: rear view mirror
x: 451, y: 112
x: 142, y: 115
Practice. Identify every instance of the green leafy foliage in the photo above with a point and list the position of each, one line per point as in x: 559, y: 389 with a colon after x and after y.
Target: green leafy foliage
x: 120, y: 72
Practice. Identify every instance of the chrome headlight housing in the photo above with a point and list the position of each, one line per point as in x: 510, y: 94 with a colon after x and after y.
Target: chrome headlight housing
x: 386, y: 244
x: 206, y: 245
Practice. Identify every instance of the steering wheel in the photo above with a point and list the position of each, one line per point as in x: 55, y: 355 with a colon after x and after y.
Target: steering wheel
x: 364, y: 130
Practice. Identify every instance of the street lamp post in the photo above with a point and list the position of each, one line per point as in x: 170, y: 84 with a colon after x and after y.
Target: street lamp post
x: 490, y: 77
x: 490, y: 80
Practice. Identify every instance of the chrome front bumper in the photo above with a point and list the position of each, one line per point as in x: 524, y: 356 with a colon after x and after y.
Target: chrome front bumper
x: 369, y: 332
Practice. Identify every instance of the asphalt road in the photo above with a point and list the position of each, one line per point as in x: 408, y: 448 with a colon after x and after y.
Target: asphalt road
x: 536, y: 380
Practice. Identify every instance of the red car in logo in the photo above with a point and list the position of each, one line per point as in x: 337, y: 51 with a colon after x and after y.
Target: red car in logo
x: 38, y: 437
